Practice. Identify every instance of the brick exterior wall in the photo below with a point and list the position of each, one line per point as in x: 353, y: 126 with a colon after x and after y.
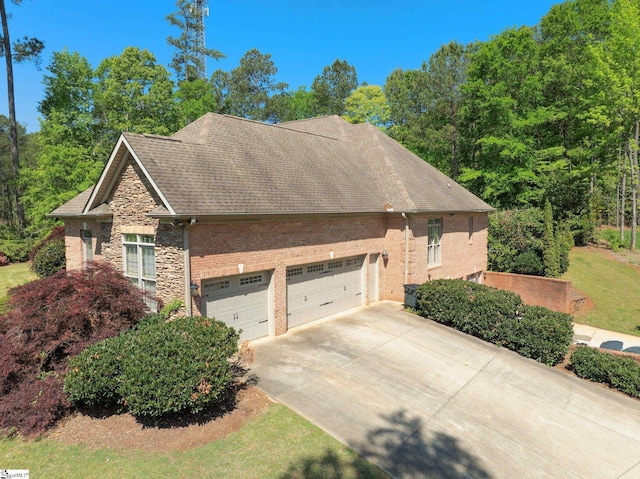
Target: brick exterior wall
x: 462, y: 255
x: 217, y: 249
x: 74, y: 246
x: 554, y: 294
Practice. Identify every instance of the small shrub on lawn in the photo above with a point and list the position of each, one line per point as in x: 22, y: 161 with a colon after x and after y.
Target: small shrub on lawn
x: 4, y: 259
x: 620, y: 373
x: 16, y: 250
x: 158, y: 369
x: 497, y: 316
x: 48, y: 321
x: 56, y: 234
x: 49, y: 259
x: 539, y: 334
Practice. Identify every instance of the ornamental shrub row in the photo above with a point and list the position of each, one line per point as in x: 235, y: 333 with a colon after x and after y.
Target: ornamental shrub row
x: 157, y: 369
x: 497, y: 316
x: 620, y: 373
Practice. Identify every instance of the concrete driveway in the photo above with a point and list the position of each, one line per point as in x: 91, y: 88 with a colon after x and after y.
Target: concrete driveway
x: 421, y: 400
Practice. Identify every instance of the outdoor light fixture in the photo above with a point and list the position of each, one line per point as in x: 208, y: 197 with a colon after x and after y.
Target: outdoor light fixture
x: 194, y: 288
x: 385, y: 254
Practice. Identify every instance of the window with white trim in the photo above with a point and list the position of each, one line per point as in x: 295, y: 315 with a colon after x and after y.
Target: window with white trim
x: 87, y: 245
x: 139, y: 257
x: 434, y: 234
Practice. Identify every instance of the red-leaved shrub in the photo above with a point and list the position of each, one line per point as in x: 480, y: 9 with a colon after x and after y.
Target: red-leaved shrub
x: 4, y: 259
x: 48, y: 321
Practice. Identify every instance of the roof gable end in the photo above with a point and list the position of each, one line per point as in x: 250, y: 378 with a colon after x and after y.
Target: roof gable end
x: 122, y: 153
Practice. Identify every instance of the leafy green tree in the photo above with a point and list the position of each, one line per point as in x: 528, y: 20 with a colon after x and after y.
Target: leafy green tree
x: 189, y: 60
x: 23, y: 50
x: 288, y: 106
x: 333, y: 86
x: 251, y: 85
x: 617, y: 68
x: 406, y: 93
x: 194, y: 99
x: 503, y: 116
x: 69, y: 160
x: 133, y: 93
x: 447, y: 69
x: 367, y: 104
x: 549, y: 252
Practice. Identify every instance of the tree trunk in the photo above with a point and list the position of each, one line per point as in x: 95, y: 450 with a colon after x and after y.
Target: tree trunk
x: 634, y: 184
x: 13, y: 125
x: 623, y: 194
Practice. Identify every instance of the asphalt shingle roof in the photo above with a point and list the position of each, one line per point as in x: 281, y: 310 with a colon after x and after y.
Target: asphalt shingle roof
x: 224, y: 165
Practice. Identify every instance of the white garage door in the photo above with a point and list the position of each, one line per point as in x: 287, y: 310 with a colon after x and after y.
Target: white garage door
x: 321, y: 289
x: 239, y: 301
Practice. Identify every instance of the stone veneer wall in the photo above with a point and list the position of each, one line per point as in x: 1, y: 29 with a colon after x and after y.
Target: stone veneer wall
x: 133, y: 197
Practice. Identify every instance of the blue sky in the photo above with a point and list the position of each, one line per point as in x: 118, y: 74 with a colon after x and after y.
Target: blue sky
x: 302, y: 36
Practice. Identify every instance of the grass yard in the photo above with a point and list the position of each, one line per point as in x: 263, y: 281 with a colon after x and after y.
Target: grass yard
x: 612, y: 285
x: 277, y: 444
x: 14, y: 275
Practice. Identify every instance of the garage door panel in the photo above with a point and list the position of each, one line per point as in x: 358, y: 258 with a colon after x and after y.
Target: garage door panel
x: 322, y: 289
x: 240, y: 302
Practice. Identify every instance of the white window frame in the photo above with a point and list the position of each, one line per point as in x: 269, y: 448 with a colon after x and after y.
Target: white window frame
x: 87, y: 245
x: 145, y: 280
x: 434, y: 240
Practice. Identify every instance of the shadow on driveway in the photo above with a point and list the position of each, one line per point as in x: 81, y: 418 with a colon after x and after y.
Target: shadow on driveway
x: 402, y: 449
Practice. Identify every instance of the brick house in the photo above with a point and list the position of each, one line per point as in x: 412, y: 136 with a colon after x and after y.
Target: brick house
x: 267, y: 227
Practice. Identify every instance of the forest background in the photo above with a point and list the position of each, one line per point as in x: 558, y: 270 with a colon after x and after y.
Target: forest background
x: 538, y: 114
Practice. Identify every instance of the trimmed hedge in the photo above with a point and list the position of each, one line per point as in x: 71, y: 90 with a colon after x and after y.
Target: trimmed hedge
x: 158, y: 369
x: 539, y: 334
x: 497, y: 316
x: 617, y: 372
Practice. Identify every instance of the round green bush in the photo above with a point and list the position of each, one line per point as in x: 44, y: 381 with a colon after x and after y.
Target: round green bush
x: 528, y: 262
x: 159, y: 368
x: 177, y: 366
x: 50, y: 259
x: 92, y: 379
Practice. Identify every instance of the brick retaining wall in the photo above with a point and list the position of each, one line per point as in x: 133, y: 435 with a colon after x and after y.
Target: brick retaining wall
x: 554, y: 294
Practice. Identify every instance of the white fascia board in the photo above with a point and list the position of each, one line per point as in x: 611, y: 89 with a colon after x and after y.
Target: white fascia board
x: 90, y: 204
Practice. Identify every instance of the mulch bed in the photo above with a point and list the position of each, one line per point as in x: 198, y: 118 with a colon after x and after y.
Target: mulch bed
x: 124, y: 432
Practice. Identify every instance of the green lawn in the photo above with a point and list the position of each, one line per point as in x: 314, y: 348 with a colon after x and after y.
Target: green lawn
x: 14, y: 275
x: 278, y: 444
x: 612, y: 285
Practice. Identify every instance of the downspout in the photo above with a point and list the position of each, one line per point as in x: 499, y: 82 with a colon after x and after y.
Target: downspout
x: 187, y: 270
x: 406, y: 248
